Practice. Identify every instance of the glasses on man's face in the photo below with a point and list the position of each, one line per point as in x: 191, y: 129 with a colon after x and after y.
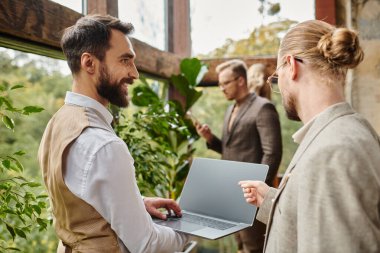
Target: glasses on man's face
x: 223, y: 85
x: 273, y: 79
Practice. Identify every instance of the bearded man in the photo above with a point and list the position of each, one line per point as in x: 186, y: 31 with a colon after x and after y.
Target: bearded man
x: 87, y: 169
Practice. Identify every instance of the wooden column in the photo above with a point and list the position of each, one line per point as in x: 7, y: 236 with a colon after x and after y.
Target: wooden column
x: 103, y: 7
x: 325, y: 10
x: 178, y: 39
x: 178, y: 27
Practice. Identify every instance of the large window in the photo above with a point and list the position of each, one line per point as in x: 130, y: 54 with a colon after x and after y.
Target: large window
x: 148, y: 18
x: 76, y: 5
x: 213, y: 22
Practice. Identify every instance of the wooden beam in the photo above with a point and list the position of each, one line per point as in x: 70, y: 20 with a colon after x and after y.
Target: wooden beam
x: 154, y: 61
x: 40, y: 23
x: 325, y: 10
x: 103, y: 7
x: 28, y: 47
x: 211, y: 78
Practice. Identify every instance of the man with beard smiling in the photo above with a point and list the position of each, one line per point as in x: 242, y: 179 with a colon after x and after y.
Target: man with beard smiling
x: 87, y: 169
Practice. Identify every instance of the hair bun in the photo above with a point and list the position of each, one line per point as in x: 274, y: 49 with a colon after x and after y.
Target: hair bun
x: 341, y: 48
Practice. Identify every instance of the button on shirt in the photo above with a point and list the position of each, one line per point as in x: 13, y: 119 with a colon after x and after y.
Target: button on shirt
x: 100, y: 171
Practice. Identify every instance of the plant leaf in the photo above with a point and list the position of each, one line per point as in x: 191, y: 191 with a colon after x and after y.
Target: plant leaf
x: 143, y: 95
x: 11, y: 231
x: 37, y: 209
x: 31, y: 109
x: 8, y: 122
x: 18, y: 86
x: 6, y: 164
x: 194, y: 70
x: 20, y: 233
x: 181, y: 83
x: 19, y: 165
x: 9, y: 105
x: 192, y: 97
x: 20, y: 153
x: 33, y: 184
x: 13, y: 248
x: 21, y: 178
x: 43, y: 196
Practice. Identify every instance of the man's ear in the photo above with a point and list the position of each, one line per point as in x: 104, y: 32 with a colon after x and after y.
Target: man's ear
x: 293, y: 66
x: 242, y: 82
x: 88, y: 62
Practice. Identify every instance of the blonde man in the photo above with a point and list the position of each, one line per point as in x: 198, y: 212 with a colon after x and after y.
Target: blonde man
x: 329, y: 198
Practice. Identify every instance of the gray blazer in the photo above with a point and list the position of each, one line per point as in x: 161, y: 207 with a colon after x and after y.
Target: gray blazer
x: 255, y: 135
x: 329, y: 198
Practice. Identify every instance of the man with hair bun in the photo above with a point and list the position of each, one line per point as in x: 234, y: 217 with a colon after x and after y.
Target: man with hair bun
x: 329, y: 198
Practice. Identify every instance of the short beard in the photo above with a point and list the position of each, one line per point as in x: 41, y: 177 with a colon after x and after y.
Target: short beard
x: 290, y: 109
x: 113, y: 92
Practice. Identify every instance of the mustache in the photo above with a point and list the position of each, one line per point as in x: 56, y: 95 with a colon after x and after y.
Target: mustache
x: 127, y: 80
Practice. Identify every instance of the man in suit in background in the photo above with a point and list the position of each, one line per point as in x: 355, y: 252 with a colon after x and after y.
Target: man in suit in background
x: 251, y: 133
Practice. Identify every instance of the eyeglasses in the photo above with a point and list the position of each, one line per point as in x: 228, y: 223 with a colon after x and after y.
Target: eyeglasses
x: 272, y: 80
x: 226, y: 83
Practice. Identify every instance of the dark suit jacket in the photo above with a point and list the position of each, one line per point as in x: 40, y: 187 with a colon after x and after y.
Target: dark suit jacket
x: 255, y: 135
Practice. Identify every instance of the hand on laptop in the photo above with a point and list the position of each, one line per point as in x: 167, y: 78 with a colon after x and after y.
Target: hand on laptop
x: 153, y: 204
x: 254, y: 191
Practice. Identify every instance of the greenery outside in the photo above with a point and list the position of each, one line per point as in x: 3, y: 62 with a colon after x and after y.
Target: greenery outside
x: 160, y: 134
x: 38, y: 82
x: 22, y: 205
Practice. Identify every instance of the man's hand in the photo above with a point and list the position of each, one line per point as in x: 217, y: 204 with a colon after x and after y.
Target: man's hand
x: 254, y: 191
x: 204, y: 131
x: 152, y: 205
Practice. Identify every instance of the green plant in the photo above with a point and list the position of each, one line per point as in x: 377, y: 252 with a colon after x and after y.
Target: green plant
x: 160, y: 134
x: 20, y: 206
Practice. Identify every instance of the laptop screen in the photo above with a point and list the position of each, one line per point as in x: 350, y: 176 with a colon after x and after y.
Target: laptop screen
x: 212, y: 189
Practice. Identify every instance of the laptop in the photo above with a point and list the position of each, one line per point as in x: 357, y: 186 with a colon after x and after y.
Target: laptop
x: 212, y: 202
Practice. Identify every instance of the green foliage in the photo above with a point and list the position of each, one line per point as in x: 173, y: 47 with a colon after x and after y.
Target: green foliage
x: 44, y: 84
x: 20, y: 206
x: 41, y: 87
x: 160, y: 134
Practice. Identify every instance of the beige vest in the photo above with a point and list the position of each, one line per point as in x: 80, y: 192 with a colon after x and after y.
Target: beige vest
x: 77, y: 223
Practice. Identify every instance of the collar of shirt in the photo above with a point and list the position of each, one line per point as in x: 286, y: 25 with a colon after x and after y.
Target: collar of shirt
x: 84, y: 101
x: 301, y: 133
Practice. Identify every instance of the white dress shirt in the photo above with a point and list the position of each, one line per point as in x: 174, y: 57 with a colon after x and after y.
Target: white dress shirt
x: 100, y: 171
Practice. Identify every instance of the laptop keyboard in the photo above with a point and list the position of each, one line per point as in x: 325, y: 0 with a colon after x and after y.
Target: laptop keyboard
x: 206, y: 221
